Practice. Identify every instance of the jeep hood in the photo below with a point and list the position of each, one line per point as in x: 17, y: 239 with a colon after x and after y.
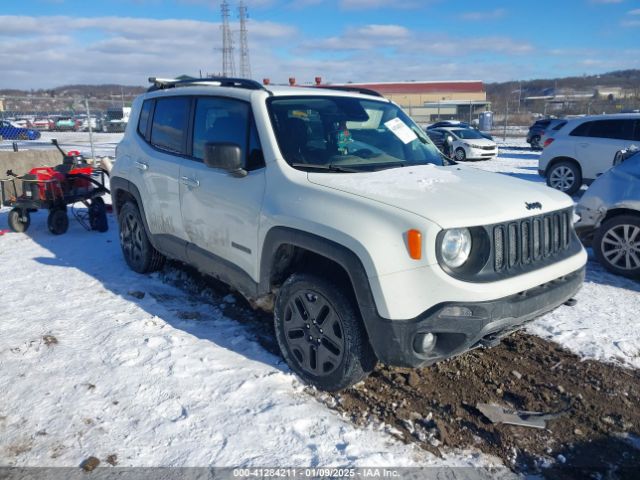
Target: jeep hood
x: 452, y: 196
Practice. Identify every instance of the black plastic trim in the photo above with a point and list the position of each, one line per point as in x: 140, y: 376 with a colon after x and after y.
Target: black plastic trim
x: 393, y: 340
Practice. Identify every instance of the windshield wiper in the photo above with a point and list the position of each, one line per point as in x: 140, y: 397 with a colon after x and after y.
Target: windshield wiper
x: 330, y: 167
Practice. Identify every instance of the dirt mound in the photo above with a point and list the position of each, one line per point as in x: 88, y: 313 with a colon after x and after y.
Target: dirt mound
x: 597, y: 420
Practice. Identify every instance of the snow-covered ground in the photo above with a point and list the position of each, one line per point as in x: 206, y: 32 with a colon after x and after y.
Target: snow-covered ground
x: 89, y: 369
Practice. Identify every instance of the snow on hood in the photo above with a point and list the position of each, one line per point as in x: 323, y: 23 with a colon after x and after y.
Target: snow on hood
x: 452, y: 196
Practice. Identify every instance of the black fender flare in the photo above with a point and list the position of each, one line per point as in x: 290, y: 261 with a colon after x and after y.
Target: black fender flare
x: 347, y: 259
x: 119, y: 183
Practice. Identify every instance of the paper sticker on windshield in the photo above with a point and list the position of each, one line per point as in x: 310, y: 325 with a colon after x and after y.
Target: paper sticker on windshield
x: 400, y: 130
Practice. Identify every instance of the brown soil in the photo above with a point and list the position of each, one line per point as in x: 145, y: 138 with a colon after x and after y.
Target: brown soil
x: 436, y: 406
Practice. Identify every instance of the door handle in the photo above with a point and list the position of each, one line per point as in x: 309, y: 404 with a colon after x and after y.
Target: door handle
x: 584, y: 145
x: 142, y: 166
x: 190, y: 182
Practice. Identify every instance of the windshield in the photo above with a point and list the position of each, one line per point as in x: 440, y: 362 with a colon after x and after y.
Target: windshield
x: 467, y: 134
x: 348, y: 134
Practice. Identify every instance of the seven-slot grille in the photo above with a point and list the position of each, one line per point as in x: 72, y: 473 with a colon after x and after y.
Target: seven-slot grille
x: 530, y: 240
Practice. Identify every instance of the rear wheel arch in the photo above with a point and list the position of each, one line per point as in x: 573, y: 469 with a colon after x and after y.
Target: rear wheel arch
x: 122, y: 191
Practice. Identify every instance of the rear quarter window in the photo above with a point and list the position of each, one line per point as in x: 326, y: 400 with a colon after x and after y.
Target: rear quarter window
x: 145, y: 113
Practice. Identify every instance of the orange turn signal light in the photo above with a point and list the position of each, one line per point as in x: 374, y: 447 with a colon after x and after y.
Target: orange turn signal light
x: 414, y: 242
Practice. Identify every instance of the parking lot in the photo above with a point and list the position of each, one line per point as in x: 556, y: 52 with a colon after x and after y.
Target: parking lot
x: 173, y: 369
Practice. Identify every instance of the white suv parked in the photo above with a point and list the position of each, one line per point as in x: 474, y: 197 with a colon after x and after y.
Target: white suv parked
x: 333, y: 209
x: 584, y: 149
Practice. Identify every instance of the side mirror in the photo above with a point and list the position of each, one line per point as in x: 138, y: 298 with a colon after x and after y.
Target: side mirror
x: 226, y: 156
x: 622, y: 155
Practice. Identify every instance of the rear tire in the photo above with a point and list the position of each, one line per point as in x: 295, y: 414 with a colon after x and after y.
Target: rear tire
x: 98, y: 215
x: 138, y: 252
x: 565, y: 176
x: 18, y: 222
x: 321, y: 334
x: 616, y: 245
x: 58, y: 221
x: 535, y: 143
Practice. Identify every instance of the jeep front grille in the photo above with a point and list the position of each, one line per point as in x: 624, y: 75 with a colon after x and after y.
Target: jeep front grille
x: 530, y: 240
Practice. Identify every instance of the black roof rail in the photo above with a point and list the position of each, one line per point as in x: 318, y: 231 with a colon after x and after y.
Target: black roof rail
x: 346, y: 88
x: 162, y: 83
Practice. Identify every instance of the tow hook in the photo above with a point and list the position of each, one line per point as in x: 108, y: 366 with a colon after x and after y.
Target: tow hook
x: 571, y: 302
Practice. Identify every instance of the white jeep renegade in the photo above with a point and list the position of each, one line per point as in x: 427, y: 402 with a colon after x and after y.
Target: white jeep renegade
x: 334, y: 209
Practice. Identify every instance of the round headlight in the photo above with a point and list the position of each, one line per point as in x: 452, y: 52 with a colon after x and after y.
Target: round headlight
x: 456, y: 246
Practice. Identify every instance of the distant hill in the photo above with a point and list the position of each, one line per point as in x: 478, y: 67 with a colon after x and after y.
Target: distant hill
x: 625, y: 79
x: 69, y: 98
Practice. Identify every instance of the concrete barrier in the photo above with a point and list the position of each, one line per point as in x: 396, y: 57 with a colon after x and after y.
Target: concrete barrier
x: 21, y: 162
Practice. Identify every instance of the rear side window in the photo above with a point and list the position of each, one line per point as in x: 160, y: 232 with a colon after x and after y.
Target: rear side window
x: 169, y: 128
x: 617, y: 129
x: 145, y: 113
x: 559, y: 126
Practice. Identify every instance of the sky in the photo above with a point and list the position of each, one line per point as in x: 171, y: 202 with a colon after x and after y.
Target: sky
x: 47, y: 43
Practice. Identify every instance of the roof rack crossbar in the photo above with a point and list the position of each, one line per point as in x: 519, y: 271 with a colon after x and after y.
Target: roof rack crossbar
x: 346, y: 88
x: 162, y: 83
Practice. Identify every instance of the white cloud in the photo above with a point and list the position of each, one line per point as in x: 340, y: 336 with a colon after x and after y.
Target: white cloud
x: 484, y: 15
x: 128, y: 50
x: 402, y: 40
x: 371, y: 4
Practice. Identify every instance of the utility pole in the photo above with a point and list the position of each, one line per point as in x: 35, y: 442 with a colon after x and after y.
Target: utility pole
x: 506, y: 120
x: 228, y: 65
x: 93, y: 152
x: 245, y: 64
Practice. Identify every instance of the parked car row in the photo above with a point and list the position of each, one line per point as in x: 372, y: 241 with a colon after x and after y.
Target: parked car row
x: 67, y: 123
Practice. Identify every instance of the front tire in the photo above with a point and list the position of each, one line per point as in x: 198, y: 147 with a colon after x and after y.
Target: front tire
x: 565, y: 176
x: 320, y: 333
x: 616, y: 245
x: 138, y: 252
x: 460, y: 154
x: 18, y: 222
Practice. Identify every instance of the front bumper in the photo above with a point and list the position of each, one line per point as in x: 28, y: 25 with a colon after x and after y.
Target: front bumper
x: 395, y: 341
x: 478, y: 153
